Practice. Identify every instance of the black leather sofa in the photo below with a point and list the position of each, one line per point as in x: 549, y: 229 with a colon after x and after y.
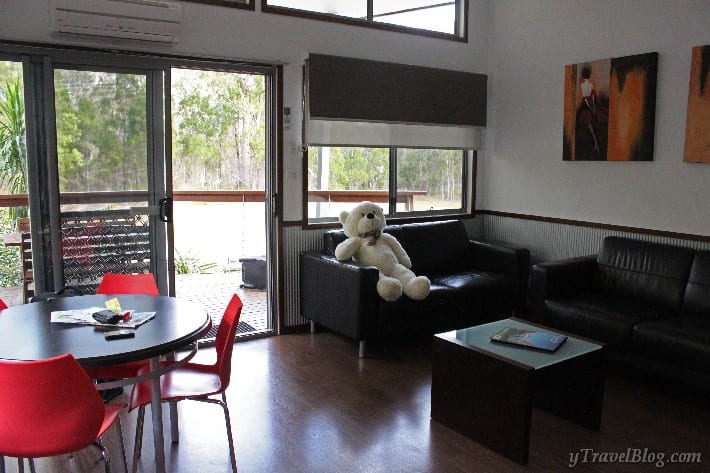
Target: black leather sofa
x: 649, y: 302
x: 471, y: 282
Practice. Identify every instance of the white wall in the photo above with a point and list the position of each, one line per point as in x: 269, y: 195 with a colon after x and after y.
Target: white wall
x: 220, y: 32
x: 522, y: 169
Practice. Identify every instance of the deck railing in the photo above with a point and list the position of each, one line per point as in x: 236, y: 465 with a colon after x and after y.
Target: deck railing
x: 405, y: 197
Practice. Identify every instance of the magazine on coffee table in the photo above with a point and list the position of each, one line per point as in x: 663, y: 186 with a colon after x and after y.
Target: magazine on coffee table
x: 539, y: 340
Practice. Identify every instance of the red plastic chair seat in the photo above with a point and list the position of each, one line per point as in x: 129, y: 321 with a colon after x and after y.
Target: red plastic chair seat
x: 50, y: 407
x: 124, y: 370
x: 3, y: 306
x: 189, y: 381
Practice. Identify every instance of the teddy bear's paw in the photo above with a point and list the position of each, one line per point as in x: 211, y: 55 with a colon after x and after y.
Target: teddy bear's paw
x: 418, y: 288
x: 389, y: 289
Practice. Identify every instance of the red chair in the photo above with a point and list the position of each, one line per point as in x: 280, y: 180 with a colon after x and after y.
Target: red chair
x: 50, y: 407
x: 128, y: 284
x: 3, y: 306
x: 194, y: 381
x: 124, y: 284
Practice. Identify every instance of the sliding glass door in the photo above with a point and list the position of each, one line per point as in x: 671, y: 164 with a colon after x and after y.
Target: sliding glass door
x: 219, y: 123
x: 114, y: 139
x: 110, y: 169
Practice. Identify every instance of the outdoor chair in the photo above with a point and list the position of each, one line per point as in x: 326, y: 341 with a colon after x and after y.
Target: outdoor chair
x: 27, y: 270
x: 3, y: 306
x: 50, y: 407
x: 195, y: 381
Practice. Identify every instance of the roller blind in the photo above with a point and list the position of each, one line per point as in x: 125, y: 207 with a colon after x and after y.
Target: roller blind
x: 351, y: 102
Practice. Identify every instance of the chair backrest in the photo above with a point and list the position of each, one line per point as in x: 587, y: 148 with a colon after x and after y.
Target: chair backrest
x: 3, y: 306
x: 27, y: 269
x: 224, y: 341
x: 47, y: 407
x: 648, y: 272
x: 143, y: 283
x: 22, y: 224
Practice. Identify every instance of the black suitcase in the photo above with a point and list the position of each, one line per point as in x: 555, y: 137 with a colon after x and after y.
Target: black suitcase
x: 254, y: 272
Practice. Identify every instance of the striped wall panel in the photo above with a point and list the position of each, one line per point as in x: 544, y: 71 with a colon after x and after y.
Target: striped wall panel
x: 295, y: 240
x: 551, y: 241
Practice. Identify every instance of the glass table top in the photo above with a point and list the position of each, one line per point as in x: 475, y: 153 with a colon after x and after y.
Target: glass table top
x: 479, y: 337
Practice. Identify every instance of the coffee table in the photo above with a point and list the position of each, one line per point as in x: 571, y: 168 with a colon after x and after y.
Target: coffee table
x: 486, y: 390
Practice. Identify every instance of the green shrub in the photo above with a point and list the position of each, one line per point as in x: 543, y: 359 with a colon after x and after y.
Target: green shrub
x: 10, y: 269
x: 190, y: 264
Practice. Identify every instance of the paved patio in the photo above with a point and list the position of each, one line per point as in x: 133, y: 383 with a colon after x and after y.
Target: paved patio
x: 213, y: 291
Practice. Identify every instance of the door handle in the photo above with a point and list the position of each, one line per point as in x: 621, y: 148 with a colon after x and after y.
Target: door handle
x: 166, y: 209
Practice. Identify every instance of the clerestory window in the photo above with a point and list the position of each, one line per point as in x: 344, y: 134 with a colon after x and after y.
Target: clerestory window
x: 441, y: 18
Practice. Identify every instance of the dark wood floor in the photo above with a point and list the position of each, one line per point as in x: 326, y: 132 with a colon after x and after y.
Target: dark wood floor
x: 306, y: 403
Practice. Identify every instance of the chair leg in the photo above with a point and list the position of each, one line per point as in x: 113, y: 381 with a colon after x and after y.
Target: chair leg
x: 138, y: 445
x: 104, y: 454
x: 21, y: 465
x: 174, y: 426
x: 31, y: 461
x: 2, y: 464
x: 123, y: 447
x: 230, y: 439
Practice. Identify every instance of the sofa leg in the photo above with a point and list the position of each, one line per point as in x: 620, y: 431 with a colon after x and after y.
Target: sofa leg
x: 313, y: 327
x: 361, y: 350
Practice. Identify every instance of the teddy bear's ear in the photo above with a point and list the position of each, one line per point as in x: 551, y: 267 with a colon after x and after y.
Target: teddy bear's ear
x: 344, y: 216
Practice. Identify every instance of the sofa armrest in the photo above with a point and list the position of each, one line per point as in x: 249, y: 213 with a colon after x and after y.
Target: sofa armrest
x: 560, y: 278
x: 341, y: 296
x: 506, y: 258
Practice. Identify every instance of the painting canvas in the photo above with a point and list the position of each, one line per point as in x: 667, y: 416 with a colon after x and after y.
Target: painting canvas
x: 697, y: 125
x: 610, y: 109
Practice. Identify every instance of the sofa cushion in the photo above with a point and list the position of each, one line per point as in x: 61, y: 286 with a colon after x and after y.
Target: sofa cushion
x: 436, y: 247
x: 445, y: 308
x: 681, y: 340
x: 649, y: 273
x: 697, y: 293
x: 405, y: 316
x: 600, y: 317
x: 476, y: 281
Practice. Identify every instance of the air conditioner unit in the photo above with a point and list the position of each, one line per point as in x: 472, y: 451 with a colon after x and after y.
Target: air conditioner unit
x: 146, y: 20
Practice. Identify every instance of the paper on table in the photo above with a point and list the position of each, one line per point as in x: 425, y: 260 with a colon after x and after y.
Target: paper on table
x: 84, y: 317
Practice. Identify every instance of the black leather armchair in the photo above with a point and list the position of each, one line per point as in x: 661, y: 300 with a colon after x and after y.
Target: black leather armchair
x: 472, y: 282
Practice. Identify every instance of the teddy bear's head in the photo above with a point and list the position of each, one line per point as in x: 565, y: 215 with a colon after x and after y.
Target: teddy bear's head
x: 364, y: 220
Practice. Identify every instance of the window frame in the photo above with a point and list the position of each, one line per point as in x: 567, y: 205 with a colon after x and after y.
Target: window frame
x: 460, y: 23
x: 468, y: 193
x: 226, y: 3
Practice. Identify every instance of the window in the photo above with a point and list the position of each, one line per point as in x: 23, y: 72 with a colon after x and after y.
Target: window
x: 246, y: 4
x: 441, y: 18
x: 407, y: 144
x: 406, y: 182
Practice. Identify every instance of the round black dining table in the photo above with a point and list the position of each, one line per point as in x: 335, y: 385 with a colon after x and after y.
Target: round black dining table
x: 26, y: 334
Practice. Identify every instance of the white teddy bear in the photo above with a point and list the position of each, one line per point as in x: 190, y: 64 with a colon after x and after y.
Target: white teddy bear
x: 367, y: 244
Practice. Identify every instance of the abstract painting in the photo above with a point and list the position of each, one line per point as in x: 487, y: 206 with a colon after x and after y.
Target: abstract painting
x: 697, y: 124
x: 610, y: 109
